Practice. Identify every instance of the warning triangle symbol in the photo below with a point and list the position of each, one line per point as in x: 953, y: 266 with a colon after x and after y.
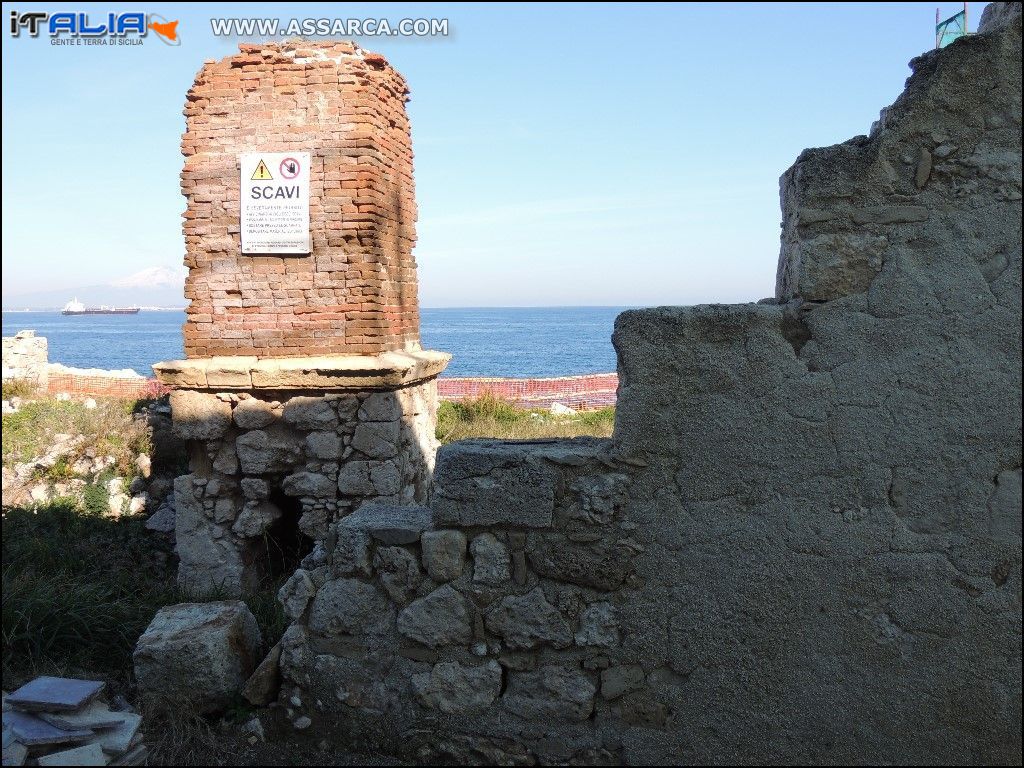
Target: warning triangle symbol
x: 262, y: 173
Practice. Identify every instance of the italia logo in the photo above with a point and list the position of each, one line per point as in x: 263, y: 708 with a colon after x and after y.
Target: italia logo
x: 74, y: 25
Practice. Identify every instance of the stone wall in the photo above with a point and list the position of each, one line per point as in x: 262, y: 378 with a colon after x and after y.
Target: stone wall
x: 356, y: 291
x: 269, y: 472
x: 803, y: 543
x: 25, y: 358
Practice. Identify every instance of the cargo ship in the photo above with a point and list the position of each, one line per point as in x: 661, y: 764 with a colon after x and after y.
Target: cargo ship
x: 75, y: 307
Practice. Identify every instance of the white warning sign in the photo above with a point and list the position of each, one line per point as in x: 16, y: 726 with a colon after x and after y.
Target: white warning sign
x: 275, y: 202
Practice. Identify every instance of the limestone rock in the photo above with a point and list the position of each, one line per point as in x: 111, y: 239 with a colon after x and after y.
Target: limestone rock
x: 296, y: 593
x: 389, y: 523
x: 253, y: 413
x: 349, y: 607
x: 550, y: 693
x: 485, y: 482
x: 381, y: 406
x: 452, y: 688
x: 200, y: 654
x: 491, y: 564
x: 602, y: 565
x: 440, y: 618
x: 526, y: 621
x: 398, y: 571
x: 262, y: 686
x: 260, y: 452
x: 618, y: 681
x: 598, y: 626
x: 444, y: 554
x: 310, y: 413
x: 377, y: 439
x: 255, y: 518
x: 206, y: 561
x: 324, y: 445
x: 309, y: 484
x: 199, y: 415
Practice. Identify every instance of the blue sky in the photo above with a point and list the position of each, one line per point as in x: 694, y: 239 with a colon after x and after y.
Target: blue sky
x: 565, y: 154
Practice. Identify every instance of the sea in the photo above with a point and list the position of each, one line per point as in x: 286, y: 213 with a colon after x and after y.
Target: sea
x: 515, y: 342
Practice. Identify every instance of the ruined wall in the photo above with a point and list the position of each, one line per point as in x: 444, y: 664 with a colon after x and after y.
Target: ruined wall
x: 270, y: 471
x: 356, y: 291
x: 25, y: 357
x: 803, y: 543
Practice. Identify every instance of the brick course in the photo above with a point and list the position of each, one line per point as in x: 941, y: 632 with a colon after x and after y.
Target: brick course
x: 356, y: 292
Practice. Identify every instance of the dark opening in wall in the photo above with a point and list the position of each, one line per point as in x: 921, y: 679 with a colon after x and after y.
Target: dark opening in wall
x: 284, y: 544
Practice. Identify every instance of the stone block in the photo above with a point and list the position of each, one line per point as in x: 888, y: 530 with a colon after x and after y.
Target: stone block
x: 452, y: 688
x: 389, y: 523
x: 253, y: 413
x: 309, y: 484
x: 310, y: 413
x: 197, y: 654
x: 526, y: 621
x: 486, y: 482
x: 441, y: 618
x: 444, y: 554
x: 381, y: 406
x: 377, y: 439
x: 350, y: 607
x: 199, y: 415
x: 54, y: 694
x: 550, y: 693
x: 491, y: 564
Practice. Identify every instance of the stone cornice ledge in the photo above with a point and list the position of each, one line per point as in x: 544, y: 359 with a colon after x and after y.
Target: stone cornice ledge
x: 388, y: 370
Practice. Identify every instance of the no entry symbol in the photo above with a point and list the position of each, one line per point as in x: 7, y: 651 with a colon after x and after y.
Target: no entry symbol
x: 290, y: 168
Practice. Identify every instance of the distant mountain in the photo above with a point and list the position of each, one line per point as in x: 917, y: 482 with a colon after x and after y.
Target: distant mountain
x: 150, y: 287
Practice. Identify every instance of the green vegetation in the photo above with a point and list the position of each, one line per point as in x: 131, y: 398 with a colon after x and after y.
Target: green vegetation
x: 18, y: 388
x: 490, y: 416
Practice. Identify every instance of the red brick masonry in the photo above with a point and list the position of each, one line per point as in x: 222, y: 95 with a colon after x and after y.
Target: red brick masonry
x: 580, y: 392
x: 355, y: 293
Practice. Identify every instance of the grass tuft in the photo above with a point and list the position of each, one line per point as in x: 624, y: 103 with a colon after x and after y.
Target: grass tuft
x: 490, y: 416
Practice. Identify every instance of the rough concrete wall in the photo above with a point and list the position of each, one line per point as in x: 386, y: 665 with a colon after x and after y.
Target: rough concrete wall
x: 356, y: 291
x: 25, y: 357
x: 802, y: 545
x: 832, y: 512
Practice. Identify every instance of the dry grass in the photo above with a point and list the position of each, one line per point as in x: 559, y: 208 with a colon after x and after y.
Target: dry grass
x: 18, y: 388
x: 109, y: 429
x: 489, y: 416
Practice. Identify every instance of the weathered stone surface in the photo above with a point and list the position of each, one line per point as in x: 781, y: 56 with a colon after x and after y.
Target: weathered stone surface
x: 390, y: 523
x: 350, y: 607
x: 310, y: 413
x: 602, y: 565
x: 377, y: 439
x: 199, y: 415
x: 550, y: 693
x: 263, y: 685
x: 526, y: 621
x: 309, y: 484
x: 381, y: 406
x: 206, y: 561
x: 452, y: 688
x: 260, y: 452
x: 484, y: 482
x: 253, y: 413
x: 440, y: 618
x: 618, y: 681
x: 444, y: 554
x: 598, y: 626
x: 324, y: 445
x: 255, y: 488
x: 255, y: 518
x: 199, y: 654
x: 53, y: 694
x: 399, y: 572
x: 351, y: 553
x: 296, y: 593
x: 491, y: 565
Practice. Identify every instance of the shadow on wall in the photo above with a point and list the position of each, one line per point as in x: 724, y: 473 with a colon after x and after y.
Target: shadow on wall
x: 270, y: 472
